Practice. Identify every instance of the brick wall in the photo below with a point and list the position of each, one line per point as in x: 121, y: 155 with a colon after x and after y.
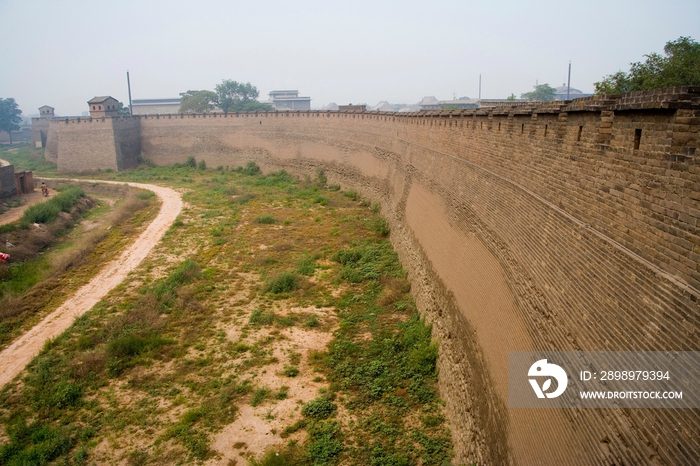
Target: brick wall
x: 585, y: 215
x: 84, y: 145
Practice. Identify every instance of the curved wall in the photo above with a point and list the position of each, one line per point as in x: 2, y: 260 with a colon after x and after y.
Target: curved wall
x: 561, y: 227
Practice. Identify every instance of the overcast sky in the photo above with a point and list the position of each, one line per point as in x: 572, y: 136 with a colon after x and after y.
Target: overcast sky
x: 64, y: 52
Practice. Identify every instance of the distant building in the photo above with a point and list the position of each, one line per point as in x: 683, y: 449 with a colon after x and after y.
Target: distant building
x: 352, y: 108
x: 573, y: 93
x: 289, y: 100
x: 431, y: 103
x: 104, y: 106
x: 331, y: 106
x: 40, y: 126
x: 155, y: 106
x: 382, y: 106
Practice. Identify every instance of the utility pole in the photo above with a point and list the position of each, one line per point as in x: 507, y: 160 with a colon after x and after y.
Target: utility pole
x: 128, y: 83
x: 568, y: 83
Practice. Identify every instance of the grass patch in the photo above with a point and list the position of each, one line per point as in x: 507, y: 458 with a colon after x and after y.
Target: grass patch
x: 47, y: 211
x: 266, y: 220
x: 282, y: 282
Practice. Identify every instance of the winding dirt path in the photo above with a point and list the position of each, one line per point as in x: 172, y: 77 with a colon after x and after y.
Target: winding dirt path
x: 30, y: 199
x: 16, y: 356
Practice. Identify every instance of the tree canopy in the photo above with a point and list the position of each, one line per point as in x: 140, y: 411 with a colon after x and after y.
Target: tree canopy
x: 122, y: 110
x: 543, y: 92
x: 679, y: 67
x: 197, y: 101
x: 232, y: 96
x: 10, y: 116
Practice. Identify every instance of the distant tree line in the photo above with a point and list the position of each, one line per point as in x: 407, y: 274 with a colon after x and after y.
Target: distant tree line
x: 229, y: 96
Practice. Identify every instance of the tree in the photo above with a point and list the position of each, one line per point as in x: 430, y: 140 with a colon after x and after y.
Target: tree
x: 543, y: 92
x: 197, y: 101
x: 122, y: 110
x: 232, y: 96
x: 10, y: 116
x: 511, y: 97
x: 680, y: 67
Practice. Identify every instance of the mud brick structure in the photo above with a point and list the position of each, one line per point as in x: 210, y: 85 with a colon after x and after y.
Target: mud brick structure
x: 561, y: 226
x: 40, y: 126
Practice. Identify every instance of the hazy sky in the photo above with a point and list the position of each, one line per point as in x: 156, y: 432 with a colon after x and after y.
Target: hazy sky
x: 64, y: 52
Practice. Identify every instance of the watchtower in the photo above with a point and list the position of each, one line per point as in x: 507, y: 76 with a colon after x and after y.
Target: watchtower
x: 103, y: 106
x: 46, y: 112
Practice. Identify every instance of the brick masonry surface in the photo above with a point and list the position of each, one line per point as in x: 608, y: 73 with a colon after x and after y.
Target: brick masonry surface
x: 590, y: 211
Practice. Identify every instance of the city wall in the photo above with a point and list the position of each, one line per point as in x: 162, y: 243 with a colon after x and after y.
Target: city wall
x: 83, y: 145
x: 568, y: 226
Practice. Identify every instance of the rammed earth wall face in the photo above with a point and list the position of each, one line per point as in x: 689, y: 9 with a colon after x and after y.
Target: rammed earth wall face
x: 558, y: 227
x: 85, y: 145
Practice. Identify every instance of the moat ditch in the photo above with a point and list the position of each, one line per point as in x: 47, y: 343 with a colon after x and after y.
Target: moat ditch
x: 274, y: 321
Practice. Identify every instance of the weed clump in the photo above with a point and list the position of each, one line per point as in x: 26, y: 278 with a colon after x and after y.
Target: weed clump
x: 319, y: 408
x: 282, y: 283
x: 306, y: 265
x: 266, y: 220
x: 291, y: 371
x: 251, y: 168
x: 368, y: 262
x: 47, y: 212
x: 381, y: 227
x: 259, y: 318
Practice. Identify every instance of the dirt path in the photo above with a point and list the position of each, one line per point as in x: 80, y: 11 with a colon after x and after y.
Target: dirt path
x: 16, y: 356
x: 15, y: 213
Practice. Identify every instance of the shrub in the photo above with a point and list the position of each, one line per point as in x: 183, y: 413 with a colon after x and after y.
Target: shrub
x: 319, y: 408
x: 202, y: 165
x: 291, y: 371
x: 251, y: 168
x: 191, y: 162
x: 282, y: 283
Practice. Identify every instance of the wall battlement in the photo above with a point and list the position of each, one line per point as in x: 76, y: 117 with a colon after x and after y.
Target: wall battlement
x: 565, y: 226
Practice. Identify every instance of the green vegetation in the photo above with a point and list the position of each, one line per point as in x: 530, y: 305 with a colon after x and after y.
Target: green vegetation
x: 266, y: 220
x: 27, y: 158
x: 213, y: 325
x: 10, y: 116
x: 543, y: 93
x: 679, y: 67
x: 282, y: 282
x: 36, y: 281
x: 47, y: 211
x: 197, y: 101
